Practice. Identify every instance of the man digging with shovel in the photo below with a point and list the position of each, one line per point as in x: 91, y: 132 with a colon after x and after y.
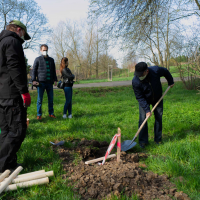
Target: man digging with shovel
x: 148, y: 90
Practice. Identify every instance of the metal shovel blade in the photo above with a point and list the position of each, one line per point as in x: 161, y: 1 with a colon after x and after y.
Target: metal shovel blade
x: 59, y: 143
x: 128, y: 144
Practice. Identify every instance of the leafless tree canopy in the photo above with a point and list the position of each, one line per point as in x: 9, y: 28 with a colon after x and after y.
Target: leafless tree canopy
x: 85, y: 47
x: 30, y: 14
x: 126, y: 17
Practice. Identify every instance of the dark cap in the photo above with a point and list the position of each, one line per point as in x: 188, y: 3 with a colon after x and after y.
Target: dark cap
x: 140, y: 68
x: 20, y: 24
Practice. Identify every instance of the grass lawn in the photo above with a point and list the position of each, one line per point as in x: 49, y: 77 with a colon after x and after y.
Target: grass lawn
x: 97, y: 113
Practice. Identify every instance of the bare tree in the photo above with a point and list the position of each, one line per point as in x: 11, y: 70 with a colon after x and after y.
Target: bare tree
x: 89, y: 46
x: 30, y: 14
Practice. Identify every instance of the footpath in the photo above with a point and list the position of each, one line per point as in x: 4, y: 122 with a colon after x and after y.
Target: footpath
x: 109, y: 84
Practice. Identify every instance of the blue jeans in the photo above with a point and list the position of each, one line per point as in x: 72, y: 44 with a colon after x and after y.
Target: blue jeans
x: 49, y: 88
x: 68, y: 103
x: 143, y: 135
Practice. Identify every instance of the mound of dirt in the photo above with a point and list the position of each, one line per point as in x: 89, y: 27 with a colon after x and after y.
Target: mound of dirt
x: 114, y: 178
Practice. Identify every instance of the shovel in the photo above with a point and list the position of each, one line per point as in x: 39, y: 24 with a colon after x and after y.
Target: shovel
x: 58, y: 144
x: 128, y: 144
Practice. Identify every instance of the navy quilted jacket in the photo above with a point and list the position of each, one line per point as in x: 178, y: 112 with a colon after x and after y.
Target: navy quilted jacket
x: 39, y: 71
x: 149, y: 90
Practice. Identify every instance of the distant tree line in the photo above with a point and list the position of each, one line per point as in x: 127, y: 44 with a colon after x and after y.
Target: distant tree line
x: 85, y: 47
x: 155, y: 30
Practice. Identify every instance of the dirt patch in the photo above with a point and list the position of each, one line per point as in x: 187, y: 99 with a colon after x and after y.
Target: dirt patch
x: 126, y: 177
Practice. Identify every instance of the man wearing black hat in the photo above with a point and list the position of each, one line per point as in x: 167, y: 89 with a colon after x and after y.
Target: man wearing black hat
x: 14, y: 94
x: 148, y: 90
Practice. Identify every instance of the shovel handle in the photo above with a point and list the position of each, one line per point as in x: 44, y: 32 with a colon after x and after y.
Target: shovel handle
x: 143, y: 123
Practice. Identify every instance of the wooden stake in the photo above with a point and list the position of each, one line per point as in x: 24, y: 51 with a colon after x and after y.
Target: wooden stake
x: 27, y: 184
x: 4, y: 175
x: 99, y: 159
x: 5, y: 184
x: 33, y: 177
x: 31, y: 173
x: 119, y: 145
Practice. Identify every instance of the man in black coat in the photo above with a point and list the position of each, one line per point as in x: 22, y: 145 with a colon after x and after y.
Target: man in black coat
x: 148, y: 90
x: 14, y: 94
x: 44, y: 76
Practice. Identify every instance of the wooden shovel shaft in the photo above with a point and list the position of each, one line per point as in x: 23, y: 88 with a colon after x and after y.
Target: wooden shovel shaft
x: 151, y: 112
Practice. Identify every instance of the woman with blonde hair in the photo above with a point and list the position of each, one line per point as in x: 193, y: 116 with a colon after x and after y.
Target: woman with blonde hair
x: 68, y: 83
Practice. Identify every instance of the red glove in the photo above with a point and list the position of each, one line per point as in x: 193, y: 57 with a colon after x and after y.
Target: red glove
x: 26, y: 99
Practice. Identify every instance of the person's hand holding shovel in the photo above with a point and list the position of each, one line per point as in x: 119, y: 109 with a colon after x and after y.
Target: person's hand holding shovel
x: 148, y: 114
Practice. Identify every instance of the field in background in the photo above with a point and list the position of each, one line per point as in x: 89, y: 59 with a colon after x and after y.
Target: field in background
x: 123, y: 76
x: 97, y: 113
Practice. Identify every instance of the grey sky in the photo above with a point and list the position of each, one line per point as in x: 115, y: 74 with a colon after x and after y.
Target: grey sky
x: 58, y: 10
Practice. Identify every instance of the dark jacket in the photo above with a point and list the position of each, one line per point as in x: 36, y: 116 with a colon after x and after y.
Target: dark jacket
x: 13, y: 76
x: 149, y: 90
x: 39, y: 72
x: 68, y: 77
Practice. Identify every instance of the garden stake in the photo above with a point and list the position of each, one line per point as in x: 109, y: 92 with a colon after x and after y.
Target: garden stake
x: 27, y: 184
x: 31, y: 173
x: 31, y: 177
x: 99, y: 159
x: 110, y: 147
x: 5, y: 184
x: 128, y: 144
x: 4, y: 175
x: 118, y: 145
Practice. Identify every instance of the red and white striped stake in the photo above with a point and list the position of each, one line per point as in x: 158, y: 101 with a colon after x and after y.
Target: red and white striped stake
x: 119, y: 145
x: 112, y: 144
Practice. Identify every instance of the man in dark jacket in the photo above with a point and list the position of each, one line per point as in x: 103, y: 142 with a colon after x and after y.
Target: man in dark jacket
x: 14, y: 94
x: 44, y: 74
x: 148, y: 90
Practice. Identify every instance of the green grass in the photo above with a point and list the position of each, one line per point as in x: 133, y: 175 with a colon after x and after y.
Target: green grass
x: 97, y: 113
x: 124, y: 77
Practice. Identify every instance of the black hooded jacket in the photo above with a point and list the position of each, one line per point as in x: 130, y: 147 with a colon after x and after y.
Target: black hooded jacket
x: 149, y: 90
x: 13, y: 76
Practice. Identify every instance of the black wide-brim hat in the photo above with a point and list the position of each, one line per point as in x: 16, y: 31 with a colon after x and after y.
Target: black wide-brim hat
x: 140, y: 68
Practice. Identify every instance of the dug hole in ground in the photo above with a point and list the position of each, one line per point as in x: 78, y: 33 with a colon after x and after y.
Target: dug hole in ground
x: 127, y: 177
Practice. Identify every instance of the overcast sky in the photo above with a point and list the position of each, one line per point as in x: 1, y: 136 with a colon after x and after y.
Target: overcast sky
x: 59, y: 10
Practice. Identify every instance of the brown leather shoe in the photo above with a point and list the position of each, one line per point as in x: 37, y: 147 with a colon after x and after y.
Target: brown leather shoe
x: 52, y: 116
x: 39, y: 117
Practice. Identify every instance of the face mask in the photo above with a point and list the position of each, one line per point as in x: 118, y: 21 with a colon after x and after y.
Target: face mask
x: 142, y: 77
x: 44, y: 53
x: 22, y: 37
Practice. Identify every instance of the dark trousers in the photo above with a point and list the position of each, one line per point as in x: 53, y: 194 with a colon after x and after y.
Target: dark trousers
x: 13, y: 131
x: 68, y: 102
x: 143, y: 135
x: 49, y: 88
